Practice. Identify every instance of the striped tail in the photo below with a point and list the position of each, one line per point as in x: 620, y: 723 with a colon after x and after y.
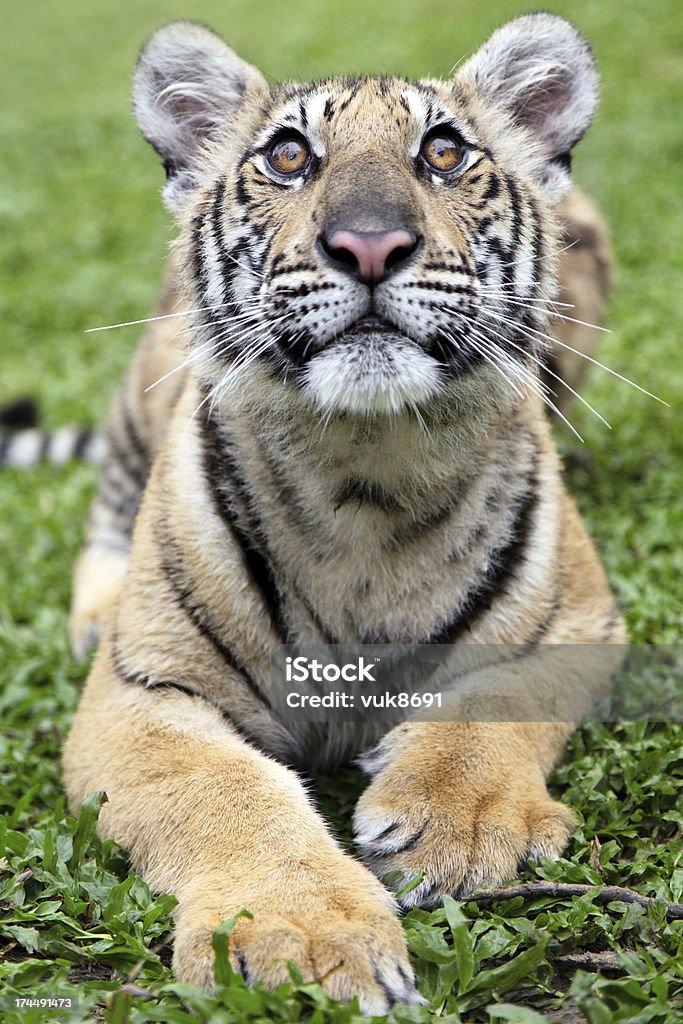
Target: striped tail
x: 23, y: 444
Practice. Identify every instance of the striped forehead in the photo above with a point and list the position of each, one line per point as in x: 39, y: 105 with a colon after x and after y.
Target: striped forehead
x: 356, y: 105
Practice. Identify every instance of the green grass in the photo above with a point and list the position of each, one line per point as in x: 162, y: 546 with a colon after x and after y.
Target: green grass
x: 82, y: 242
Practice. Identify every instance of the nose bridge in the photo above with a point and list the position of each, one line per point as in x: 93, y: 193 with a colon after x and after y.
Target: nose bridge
x: 367, y: 197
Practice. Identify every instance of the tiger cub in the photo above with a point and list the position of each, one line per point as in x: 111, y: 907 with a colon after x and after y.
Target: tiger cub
x: 355, y: 450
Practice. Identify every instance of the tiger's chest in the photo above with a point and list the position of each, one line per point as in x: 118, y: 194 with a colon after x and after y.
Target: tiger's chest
x: 362, y: 557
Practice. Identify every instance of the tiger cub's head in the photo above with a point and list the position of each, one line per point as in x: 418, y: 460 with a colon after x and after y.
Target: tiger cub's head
x: 376, y: 244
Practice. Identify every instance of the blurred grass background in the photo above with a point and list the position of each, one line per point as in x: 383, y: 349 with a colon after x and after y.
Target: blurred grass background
x: 83, y: 237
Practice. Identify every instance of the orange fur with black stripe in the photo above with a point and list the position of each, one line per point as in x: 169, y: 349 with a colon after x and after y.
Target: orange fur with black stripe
x: 357, y: 450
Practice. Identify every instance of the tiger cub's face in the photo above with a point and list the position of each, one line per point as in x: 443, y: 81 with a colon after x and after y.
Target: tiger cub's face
x: 372, y: 242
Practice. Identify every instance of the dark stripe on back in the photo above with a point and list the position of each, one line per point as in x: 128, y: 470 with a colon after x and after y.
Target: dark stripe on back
x: 133, y: 436
x: 130, y: 466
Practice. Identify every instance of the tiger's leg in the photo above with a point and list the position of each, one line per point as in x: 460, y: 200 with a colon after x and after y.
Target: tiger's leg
x: 135, y: 427
x: 463, y: 798
x: 224, y: 827
x: 103, y: 561
x: 465, y: 801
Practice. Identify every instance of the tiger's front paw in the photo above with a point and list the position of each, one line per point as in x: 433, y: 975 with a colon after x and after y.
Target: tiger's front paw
x: 461, y: 828
x: 339, y: 931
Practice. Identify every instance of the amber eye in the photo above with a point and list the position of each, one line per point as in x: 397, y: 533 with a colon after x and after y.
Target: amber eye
x: 289, y: 154
x: 442, y: 150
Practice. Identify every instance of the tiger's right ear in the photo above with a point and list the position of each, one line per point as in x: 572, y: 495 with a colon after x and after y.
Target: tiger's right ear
x: 187, y: 85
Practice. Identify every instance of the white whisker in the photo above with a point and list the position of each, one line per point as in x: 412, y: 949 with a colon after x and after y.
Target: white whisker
x: 247, y: 270
x: 236, y: 370
x: 152, y: 319
x: 256, y: 302
x: 218, y: 390
x: 539, y: 259
x: 555, y: 341
x: 546, y: 369
x: 214, y: 347
x: 516, y: 368
x: 487, y: 356
x: 494, y: 293
x: 543, y: 392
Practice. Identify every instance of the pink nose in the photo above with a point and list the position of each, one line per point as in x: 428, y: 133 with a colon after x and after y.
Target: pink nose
x: 370, y: 255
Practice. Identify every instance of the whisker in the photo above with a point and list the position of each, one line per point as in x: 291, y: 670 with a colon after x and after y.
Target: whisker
x: 471, y: 331
x: 152, y: 319
x: 533, y: 381
x: 546, y: 369
x: 536, y: 257
x: 194, y: 356
x: 236, y: 370
x: 211, y: 349
x: 248, y: 270
x: 415, y: 409
x: 562, y: 344
x: 508, y: 380
x: 517, y: 370
x: 257, y: 301
x: 238, y: 321
x: 212, y: 396
x: 539, y: 385
x: 583, y: 323
x: 493, y: 293
x: 543, y: 395
x: 552, y: 314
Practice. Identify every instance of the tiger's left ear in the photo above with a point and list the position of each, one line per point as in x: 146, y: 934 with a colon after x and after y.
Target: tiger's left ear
x: 541, y: 70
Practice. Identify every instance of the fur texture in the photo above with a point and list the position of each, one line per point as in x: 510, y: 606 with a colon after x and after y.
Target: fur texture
x: 341, y: 461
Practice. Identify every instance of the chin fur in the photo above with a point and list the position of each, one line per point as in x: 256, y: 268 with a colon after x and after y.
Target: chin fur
x: 372, y: 374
